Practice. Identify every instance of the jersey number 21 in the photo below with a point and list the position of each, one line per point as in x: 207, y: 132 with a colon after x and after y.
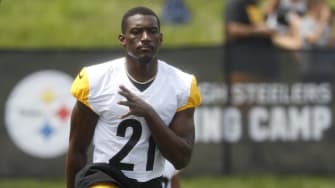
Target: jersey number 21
x: 135, y: 137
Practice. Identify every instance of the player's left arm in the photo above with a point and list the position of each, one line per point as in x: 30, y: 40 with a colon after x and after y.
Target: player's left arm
x: 176, y: 144
x: 176, y: 141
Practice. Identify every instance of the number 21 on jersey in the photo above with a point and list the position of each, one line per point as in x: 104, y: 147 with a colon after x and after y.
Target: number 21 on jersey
x: 134, y: 138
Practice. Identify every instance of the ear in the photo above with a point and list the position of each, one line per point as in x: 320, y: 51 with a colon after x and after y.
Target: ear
x: 122, y: 40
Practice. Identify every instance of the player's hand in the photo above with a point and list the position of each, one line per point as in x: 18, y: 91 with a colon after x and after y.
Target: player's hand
x: 136, y: 105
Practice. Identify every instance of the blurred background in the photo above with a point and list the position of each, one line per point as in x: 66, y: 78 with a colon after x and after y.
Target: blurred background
x: 265, y: 70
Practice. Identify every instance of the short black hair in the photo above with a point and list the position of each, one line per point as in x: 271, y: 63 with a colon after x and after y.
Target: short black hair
x: 137, y: 10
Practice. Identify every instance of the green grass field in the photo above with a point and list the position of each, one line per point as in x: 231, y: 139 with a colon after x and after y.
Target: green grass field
x: 96, y: 24
x: 89, y: 24
x: 204, y: 182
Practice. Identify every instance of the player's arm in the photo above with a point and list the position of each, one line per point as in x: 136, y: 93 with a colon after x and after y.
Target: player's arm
x: 83, y: 122
x: 241, y: 30
x: 293, y: 39
x: 174, y: 142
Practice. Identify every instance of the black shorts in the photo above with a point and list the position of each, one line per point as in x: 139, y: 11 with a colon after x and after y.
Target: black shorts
x: 103, y: 173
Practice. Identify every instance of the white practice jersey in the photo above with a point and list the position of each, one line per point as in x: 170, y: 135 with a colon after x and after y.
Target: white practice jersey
x: 127, y: 143
x: 169, y: 172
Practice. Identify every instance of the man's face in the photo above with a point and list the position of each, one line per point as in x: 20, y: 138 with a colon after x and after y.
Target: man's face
x: 142, y: 38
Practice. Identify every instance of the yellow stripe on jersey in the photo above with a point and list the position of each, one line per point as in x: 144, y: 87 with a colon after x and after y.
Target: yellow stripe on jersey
x: 194, y: 98
x: 104, y: 185
x: 80, y: 87
x: 255, y: 15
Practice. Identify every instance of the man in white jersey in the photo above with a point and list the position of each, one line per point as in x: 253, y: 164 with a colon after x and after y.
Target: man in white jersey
x: 136, y: 110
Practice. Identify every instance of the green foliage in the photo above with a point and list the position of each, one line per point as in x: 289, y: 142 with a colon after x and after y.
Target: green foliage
x: 87, y: 23
x: 94, y: 24
x: 331, y: 3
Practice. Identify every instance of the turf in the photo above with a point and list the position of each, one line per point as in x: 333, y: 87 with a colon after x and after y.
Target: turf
x: 201, y: 182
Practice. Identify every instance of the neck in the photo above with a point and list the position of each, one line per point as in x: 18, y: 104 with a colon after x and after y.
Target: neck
x: 141, y: 72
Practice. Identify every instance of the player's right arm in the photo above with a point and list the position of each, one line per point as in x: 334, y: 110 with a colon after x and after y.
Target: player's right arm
x: 83, y: 122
